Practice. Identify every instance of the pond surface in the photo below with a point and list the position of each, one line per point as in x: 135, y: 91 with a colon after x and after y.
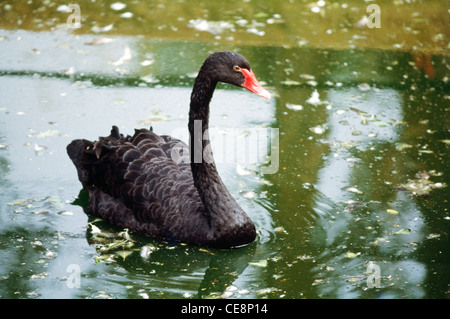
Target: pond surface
x: 349, y: 185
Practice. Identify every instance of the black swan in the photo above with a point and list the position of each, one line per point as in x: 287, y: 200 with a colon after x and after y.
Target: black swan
x: 138, y: 182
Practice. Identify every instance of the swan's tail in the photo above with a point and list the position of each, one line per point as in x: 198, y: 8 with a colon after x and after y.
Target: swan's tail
x: 88, y: 156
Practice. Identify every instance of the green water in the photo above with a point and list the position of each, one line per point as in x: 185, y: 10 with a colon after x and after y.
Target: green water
x: 361, y: 121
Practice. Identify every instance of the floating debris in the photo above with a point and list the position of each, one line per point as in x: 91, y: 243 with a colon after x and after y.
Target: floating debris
x: 362, y: 22
x: 147, y: 250
x: 305, y: 257
x: 364, y: 87
x: 392, y: 211
x: 214, y: 27
x: 64, y: 8
x: 402, y: 146
x: 265, y: 291
x: 353, y: 190
x: 203, y: 250
x: 65, y: 213
x: 42, y: 275
x: 317, y: 129
x: 248, y: 194
x: 118, y: 6
x: 351, y: 254
x: 280, y: 230
x: 421, y: 185
x: 98, y: 29
x: 295, y: 107
x: 314, y: 99
x: 20, y: 202
x: 100, y: 41
x: 153, y: 119
x: 403, y: 231
x: 433, y: 236
x: 124, y: 58
x: 147, y: 62
x: 318, y: 282
x: 47, y: 133
x: 124, y: 253
x: 261, y: 263
x: 229, y: 291
x: 290, y: 83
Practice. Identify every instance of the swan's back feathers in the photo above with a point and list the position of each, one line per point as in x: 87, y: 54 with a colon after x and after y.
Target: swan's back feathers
x: 133, y: 182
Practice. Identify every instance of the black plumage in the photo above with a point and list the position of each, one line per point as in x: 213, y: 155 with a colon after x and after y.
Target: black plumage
x: 152, y: 185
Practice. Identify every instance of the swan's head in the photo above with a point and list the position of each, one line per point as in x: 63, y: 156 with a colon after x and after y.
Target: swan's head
x: 233, y: 68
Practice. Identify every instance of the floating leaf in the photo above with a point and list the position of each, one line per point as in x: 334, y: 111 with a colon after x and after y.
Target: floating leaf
x: 261, y: 15
x: 317, y: 129
x: 432, y: 236
x: 109, y: 258
x: 100, y: 41
x: 353, y: 190
x: 379, y: 123
x: 280, y: 230
x: 265, y: 291
x: 392, y: 211
x: 21, y: 202
x: 403, y: 231
x: 47, y: 133
x: 63, y: 8
x: 295, y: 107
x: 118, y: 6
x: 98, y: 29
x: 42, y: 275
x: 318, y: 282
x: 147, y: 62
x: 41, y: 212
x: 205, y: 251
x: 351, y: 255
x: 402, y: 146
x: 261, y: 263
x: 290, y: 83
x: 124, y: 253
x: 126, y: 15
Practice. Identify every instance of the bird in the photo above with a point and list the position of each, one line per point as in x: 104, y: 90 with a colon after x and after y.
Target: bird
x: 161, y: 187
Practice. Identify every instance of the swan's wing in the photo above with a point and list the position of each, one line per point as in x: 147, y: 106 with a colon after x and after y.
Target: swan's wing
x: 143, y: 177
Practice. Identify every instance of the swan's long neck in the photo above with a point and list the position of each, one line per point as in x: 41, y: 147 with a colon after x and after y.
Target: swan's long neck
x: 229, y: 223
x: 204, y: 171
x: 212, y: 191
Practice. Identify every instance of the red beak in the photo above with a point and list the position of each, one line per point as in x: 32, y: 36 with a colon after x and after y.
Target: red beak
x: 252, y: 84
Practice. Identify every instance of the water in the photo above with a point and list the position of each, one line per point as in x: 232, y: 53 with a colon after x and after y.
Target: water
x: 358, y: 207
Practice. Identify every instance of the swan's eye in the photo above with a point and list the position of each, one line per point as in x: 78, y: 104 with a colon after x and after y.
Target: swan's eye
x: 237, y: 68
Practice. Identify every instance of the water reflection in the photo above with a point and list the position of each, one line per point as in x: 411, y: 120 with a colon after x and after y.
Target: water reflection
x: 363, y: 123
x: 347, y: 143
